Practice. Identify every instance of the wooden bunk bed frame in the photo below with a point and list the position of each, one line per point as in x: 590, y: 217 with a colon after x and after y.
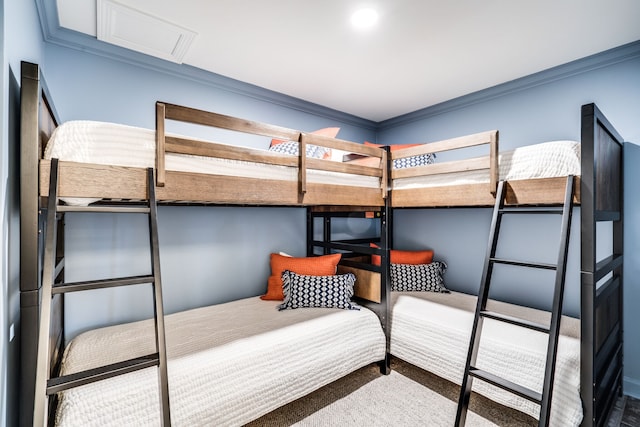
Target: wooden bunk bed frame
x: 600, y: 195
x: 81, y: 179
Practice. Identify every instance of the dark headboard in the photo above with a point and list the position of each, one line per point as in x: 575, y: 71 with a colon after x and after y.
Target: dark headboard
x: 38, y: 119
x: 601, y: 280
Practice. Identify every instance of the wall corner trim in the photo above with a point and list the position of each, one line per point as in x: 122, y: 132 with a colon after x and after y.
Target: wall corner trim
x: 609, y: 57
x: 54, y: 34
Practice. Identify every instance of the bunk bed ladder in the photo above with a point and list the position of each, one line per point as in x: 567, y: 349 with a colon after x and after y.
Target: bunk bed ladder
x: 46, y: 385
x: 553, y: 329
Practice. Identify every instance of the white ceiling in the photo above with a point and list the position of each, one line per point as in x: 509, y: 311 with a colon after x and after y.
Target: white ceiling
x: 420, y: 53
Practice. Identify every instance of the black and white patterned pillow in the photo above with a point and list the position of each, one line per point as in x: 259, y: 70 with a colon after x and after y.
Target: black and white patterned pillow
x: 418, y: 277
x: 291, y: 147
x: 318, y: 291
x: 413, y: 161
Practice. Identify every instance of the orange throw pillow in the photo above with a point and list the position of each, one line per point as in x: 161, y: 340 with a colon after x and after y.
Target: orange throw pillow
x: 404, y: 257
x: 323, y: 265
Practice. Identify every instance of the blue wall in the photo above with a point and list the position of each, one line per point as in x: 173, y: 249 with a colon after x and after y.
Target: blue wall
x: 198, y: 245
x: 533, y: 110
x: 631, y: 270
x: 543, y: 112
x: 209, y: 254
x: 21, y: 39
x: 214, y: 254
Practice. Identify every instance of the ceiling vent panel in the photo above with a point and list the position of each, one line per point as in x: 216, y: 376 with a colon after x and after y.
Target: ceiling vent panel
x: 129, y: 28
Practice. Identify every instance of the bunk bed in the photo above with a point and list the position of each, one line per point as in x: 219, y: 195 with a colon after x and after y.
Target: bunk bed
x: 431, y: 330
x: 320, y: 185
x: 270, y: 356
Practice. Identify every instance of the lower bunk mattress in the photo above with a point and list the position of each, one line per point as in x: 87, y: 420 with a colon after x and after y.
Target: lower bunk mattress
x: 228, y: 364
x: 432, y: 331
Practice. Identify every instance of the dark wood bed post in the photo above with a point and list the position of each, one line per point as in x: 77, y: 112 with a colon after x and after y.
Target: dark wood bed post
x: 601, y: 304
x: 29, y: 225
x: 37, y: 121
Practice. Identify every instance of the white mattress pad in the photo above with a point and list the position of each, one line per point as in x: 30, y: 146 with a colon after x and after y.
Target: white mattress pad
x: 544, y: 160
x: 432, y: 331
x: 227, y: 364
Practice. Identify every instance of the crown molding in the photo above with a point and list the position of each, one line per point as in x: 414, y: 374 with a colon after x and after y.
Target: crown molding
x: 53, y: 33
x: 609, y: 57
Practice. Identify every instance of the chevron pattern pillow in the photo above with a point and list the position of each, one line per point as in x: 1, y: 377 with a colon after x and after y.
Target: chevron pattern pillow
x: 418, y: 277
x: 318, y: 291
x: 413, y: 161
x: 291, y: 147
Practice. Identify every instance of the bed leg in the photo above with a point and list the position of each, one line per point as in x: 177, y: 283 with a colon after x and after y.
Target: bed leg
x: 385, y: 364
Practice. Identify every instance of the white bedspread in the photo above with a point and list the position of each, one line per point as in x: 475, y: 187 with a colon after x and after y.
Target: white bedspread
x: 545, y: 160
x: 228, y: 364
x: 432, y: 331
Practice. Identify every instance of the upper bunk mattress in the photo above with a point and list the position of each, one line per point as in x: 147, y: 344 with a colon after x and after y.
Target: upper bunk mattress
x: 227, y: 364
x: 121, y: 145
x: 433, y: 330
x: 544, y: 160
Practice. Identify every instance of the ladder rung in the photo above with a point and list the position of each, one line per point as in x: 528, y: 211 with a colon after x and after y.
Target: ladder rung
x: 65, y: 382
x: 516, y: 321
x: 547, y: 210
x: 507, y: 385
x: 524, y: 264
x: 104, y: 209
x: 100, y: 284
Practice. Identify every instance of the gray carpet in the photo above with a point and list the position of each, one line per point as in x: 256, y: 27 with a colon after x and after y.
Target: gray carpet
x: 408, y: 396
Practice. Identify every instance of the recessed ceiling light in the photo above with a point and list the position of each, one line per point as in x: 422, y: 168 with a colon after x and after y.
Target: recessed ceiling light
x: 364, y: 18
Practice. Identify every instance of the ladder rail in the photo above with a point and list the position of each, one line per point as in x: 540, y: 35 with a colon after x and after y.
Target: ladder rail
x: 46, y: 386
x: 48, y: 272
x: 158, y: 310
x: 470, y: 371
x: 558, y: 298
x: 483, y: 295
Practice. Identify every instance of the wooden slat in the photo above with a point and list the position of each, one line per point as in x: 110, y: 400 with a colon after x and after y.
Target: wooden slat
x: 478, y: 163
x: 355, y: 169
x: 160, y: 144
x: 211, y: 149
x: 115, y: 182
x: 234, y: 190
x: 494, y: 167
x: 367, y: 284
x: 446, y: 145
x: 344, y: 145
x: 92, y: 180
x: 452, y: 195
x: 540, y: 191
x: 207, y: 118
